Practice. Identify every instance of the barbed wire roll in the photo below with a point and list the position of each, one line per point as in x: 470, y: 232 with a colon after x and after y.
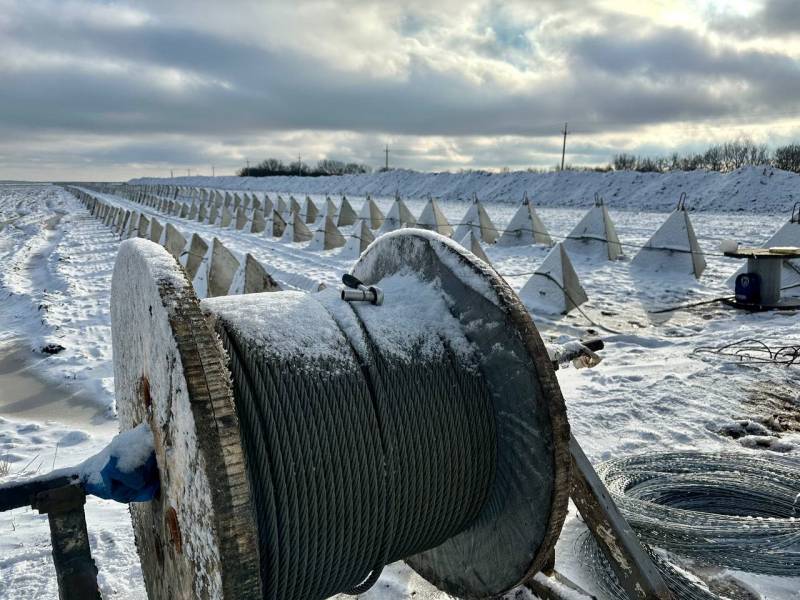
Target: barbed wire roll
x: 730, y: 509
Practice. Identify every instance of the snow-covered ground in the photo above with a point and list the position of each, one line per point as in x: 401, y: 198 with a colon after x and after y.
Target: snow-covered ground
x: 650, y: 392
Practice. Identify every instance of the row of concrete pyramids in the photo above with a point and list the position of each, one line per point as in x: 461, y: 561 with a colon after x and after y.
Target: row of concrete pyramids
x: 213, y: 269
x: 290, y: 221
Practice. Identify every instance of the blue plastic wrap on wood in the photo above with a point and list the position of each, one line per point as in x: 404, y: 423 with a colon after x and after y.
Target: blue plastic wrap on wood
x: 139, y: 485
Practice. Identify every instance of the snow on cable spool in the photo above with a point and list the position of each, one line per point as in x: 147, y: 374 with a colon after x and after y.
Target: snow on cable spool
x: 477, y: 219
x: 433, y: 219
x: 595, y: 234
x: 357, y: 241
x: 399, y: 216
x: 554, y: 288
x: 673, y: 248
x: 296, y: 230
x: 787, y: 235
x: 526, y: 227
x: 371, y: 214
x: 347, y: 214
x: 473, y: 244
x: 327, y: 236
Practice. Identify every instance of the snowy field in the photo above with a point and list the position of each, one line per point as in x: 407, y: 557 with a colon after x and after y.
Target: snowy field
x: 651, y: 392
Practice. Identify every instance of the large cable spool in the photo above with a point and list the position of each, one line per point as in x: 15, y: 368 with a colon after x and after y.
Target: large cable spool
x: 303, y: 442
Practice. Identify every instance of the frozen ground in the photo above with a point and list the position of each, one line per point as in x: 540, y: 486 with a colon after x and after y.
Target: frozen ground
x: 650, y: 393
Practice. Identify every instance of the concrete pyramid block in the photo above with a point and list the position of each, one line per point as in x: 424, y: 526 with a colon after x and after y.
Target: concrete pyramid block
x: 595, y: 234
x: 673, y: 248
x: 174, y: 241
x: 311, y: 211
x: 221, y: 269
x: 226, y: 218
x: 143, y: 231
x: 278, y: 224
x: 347, y: 214
x: 473, y: 244
x: 258, y: 224
x: 241, y: 217
x: 194, y: 254
x: 477, y: 219
x: 399, y: 216
x: 554, y: 288
x: 371, y: 214
x: 358, y: 240
x: 156, y: 230
x: 252, y: 278
x: 294, y: 205
x: 281, y: 207
x: 296, y: 230
x: 213, y: 214
x: 327, y: 236
x: 526, y: 227
x: 433, y: 219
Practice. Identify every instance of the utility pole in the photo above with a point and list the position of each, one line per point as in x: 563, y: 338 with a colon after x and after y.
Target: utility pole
x: 213, y: 173
x: 248, y: 164
x: 564, y: 146
x: 299, y: 165
x: 386, y: 168
x: 188, y: 172
x: 170, y: 174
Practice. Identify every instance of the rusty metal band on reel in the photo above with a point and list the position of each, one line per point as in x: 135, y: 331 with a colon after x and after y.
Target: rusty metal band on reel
x: 327, y: 439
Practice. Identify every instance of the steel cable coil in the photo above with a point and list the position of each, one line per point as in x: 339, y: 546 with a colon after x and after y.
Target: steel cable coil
x: 353, y: 469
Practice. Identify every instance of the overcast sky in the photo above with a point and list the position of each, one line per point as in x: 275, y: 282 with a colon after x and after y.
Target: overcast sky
x: 102, y: 90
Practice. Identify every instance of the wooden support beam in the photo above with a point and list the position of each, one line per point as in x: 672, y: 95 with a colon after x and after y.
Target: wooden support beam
x: 72, y: 556
x: 636, y: 572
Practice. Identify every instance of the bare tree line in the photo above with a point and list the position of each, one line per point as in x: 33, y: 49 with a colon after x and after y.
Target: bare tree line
x: 725, y: 157
x: 272, y: 167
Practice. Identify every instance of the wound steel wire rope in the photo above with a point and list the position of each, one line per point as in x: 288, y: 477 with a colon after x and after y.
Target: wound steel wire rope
x: 729, y: 509
x: 353, y: 469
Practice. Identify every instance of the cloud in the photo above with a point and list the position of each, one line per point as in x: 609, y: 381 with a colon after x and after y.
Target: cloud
x: 90, y: 85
